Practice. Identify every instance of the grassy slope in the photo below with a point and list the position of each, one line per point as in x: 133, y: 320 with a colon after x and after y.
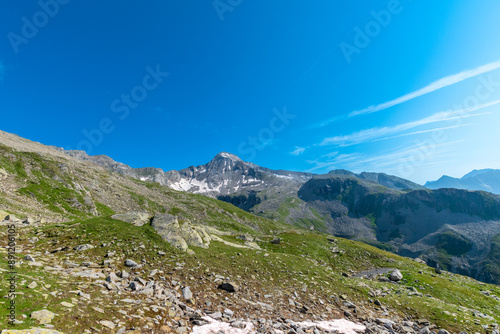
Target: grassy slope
x: 302, y: 262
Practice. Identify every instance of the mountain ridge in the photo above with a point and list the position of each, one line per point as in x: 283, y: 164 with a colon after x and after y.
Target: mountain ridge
x: 478, y: 179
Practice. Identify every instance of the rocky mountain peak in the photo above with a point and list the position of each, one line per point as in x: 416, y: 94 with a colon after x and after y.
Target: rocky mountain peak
x: 226, y: 155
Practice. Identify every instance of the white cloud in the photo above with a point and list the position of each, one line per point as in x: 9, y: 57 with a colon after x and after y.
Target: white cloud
x: 298, y: 150
x: 436, y: 85
x: 389, y: 162
x: 376, y: 133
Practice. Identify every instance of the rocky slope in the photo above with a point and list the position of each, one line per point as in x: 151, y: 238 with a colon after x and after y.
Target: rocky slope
x: 483, y: 179
x: 98, y: 251
x: 451, y: 228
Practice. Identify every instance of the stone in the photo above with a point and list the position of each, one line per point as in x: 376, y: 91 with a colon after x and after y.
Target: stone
x: 29, y: 258
x: 162, y: 253
x: 4, y: 215
x: 180, y: 234
x: 135, y: 286
x: 83, y: 247
x: 228, y: 313
x: 43, y: 316
x: 123, y: 274
x: 229, y: 287
x: 187, y: 294
x: 84, y: 295
x: 424, y: 330
x: 66, y: 304
x: 32, y: 285
x: 396, y: 276
x: 109, y: 324
x: 130, y: 263
x: 111, y: 278
x: 136, y: 218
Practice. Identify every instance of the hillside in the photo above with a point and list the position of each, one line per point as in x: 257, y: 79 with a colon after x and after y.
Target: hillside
x: 104, y: 252
x: 449, y: 228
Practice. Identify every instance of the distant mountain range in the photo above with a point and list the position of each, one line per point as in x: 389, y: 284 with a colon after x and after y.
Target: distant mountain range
x: 455, y: 229
x: 483, y: 179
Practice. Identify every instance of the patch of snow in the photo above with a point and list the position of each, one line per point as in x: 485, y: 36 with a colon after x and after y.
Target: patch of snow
x: 188, y: 184
x: 214, y: 327
x: 284, y: 176
x: 340, y: 325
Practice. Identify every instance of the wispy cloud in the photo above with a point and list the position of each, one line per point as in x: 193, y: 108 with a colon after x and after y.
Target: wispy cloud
x: 388, y: 162
x: 376, y: 133
x: 436, y: 85
x: 298, y: 150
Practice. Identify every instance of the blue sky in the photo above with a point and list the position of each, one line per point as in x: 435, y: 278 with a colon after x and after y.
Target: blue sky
x: 404, y: 87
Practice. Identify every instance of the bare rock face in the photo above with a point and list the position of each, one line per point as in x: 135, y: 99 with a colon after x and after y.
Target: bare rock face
x: 180, y: 233
x: 133, y: 217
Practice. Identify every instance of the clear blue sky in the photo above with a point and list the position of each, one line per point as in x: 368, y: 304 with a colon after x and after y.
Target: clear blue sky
x: 310, y: 85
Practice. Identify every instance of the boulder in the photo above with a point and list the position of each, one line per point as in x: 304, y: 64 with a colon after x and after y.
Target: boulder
x: 42, y: 316
x: 136, y: 218
x: 29, y: 258
x: 130, y: 263
x: 187, y: 294
x: 396, y: 276
x: 83, y: 247
x: 4, y: 215
x: 180, y: 234
x: 229, y: 287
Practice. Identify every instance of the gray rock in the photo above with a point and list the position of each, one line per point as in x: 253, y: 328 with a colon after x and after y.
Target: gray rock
x: 83, y: 247
x: 424, y: 330
x: 135, y: 286
x: 130, y: 263
x: 228, y: 313
x: 43, y: 316
x: 123, y: 274
x: 396, y: 276
x: 29, y: 258
x: 187, y: 294
x: 111, y: 278
x: 180, y: 234
x: 133, y: 217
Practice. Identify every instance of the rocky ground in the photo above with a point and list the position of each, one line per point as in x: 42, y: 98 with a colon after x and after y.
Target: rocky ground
x: 118, y: 293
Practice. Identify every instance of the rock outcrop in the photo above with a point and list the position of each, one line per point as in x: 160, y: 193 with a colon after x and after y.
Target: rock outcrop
x: 180, y: 234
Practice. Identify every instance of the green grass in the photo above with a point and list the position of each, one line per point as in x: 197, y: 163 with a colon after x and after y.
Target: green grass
x: 302, y: 260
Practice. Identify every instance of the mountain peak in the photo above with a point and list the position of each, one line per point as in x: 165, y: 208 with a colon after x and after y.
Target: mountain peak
x: 226, y: 155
